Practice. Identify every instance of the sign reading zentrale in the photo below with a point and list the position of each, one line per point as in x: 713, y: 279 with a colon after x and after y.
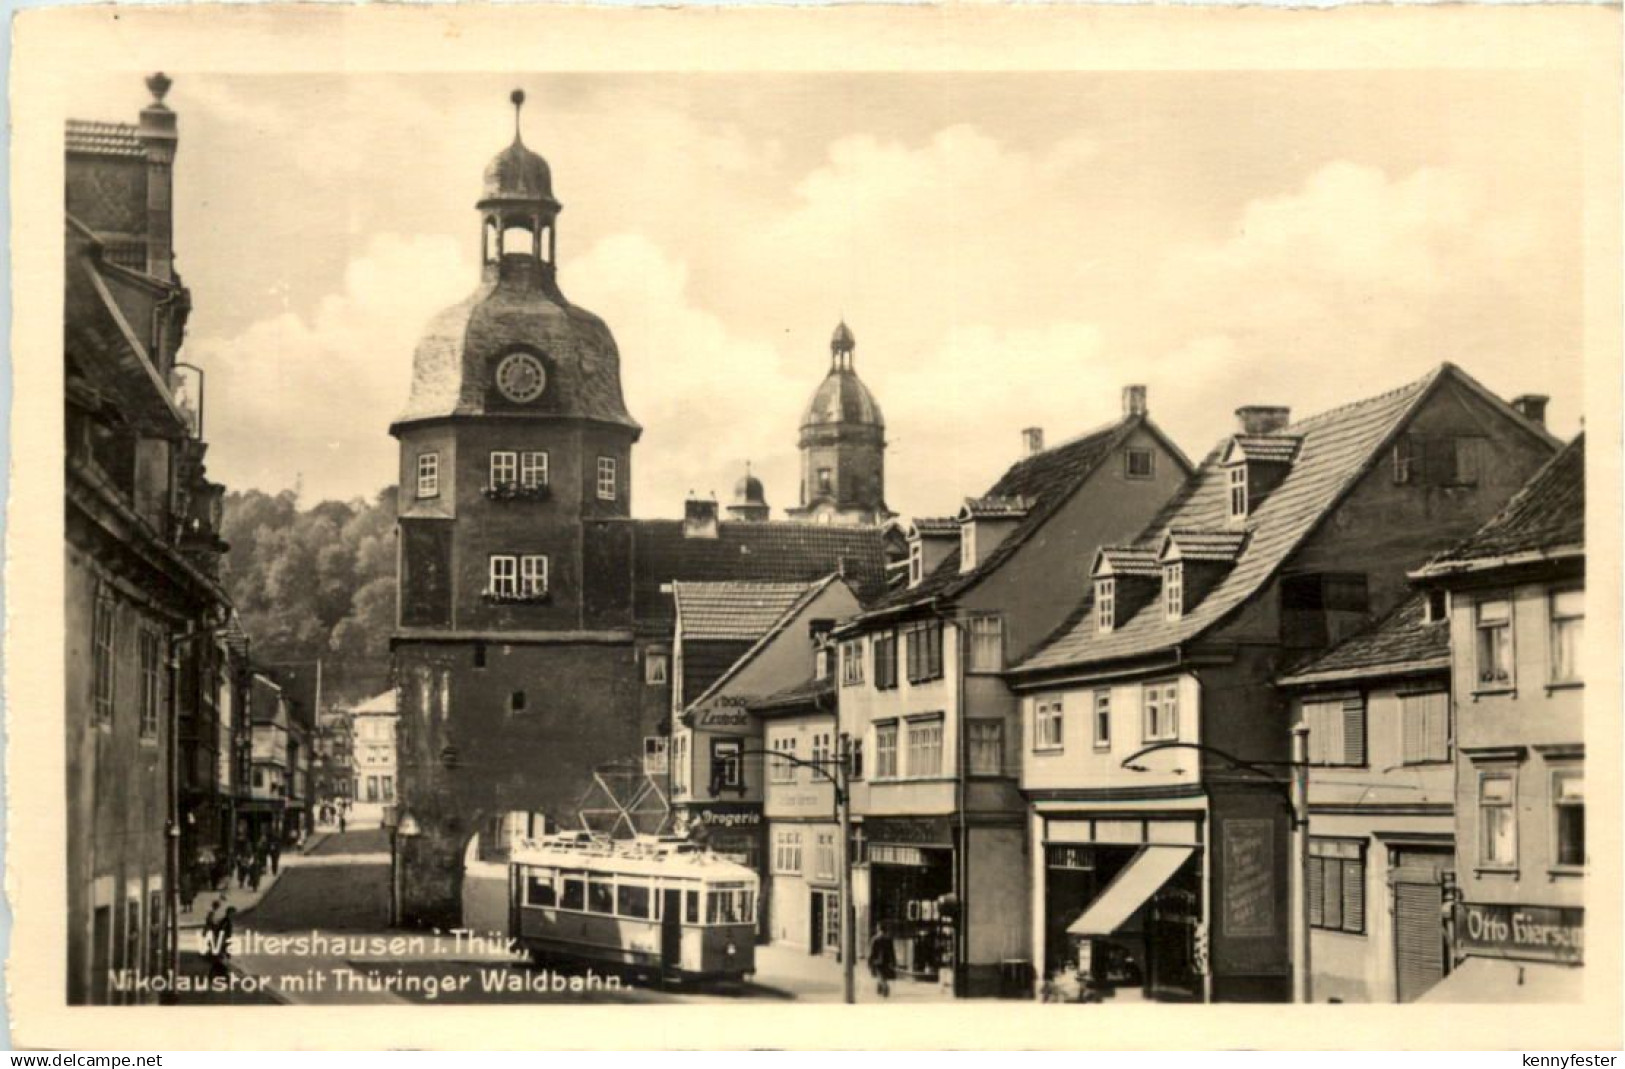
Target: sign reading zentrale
x: 926, y: 831
x: 1543, y: 932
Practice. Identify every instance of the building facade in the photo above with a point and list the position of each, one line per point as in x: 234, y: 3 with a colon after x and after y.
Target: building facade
x: 921, y: 695
x: 142, y: 552
x: 533, y: 647
x: 1516, y: 595
x: 1159, y: 836
x: 373, y: 726
x: 270, y: 777
x: 1382, y: 846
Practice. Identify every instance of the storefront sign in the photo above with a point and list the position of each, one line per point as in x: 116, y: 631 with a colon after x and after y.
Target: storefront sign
x: 1538, y: 932
x: 726, y: 816
x: 727, y: 712
x: 924, y: 831
x: 1249, y: 878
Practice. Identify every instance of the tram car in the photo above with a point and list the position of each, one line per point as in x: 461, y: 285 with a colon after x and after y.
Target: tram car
x: 664, y: 908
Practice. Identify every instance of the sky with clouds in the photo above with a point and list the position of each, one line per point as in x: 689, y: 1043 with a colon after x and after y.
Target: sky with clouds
x: 1009, y: 249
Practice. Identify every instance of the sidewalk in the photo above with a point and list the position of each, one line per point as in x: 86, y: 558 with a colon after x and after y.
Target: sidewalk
x: 816, y: 978
x: 241, y: 897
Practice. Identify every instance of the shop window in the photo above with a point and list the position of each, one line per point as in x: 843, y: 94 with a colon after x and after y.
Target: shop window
x: 1497, y: 820
x: 1569, y: 806
x: 851, y: 662
x: 1161, y: 707
x: 987, y: 644
x: 1335, y: 881
x: 1493, y: 624
x: 885, y: 654
x: 1425, y: 727
x: 925, y: 746
x: 886, y: 750
x: 1103, y: 719
x: 986, y: 747
x: 656, y: 668
x: 1336, y: 730
x: 1048, y: 724
x: 1568, y: 634
x: 428, y: 475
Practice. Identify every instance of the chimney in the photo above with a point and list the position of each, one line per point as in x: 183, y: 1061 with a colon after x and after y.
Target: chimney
x: 1134, y: 400
x: 700, y: 517
x: 158, y: 135
x: 1032, y: 441
x: 1532, y: 407
x: 1262, y: 419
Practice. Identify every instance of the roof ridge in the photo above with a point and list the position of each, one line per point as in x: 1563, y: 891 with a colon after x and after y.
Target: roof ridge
x: 1318, y: 418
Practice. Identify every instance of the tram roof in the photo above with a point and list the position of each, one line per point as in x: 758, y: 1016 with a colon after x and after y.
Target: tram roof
x: 641, y: 860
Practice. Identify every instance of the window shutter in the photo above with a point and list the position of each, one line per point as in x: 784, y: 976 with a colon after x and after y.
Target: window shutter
x: 1353, y: 896
x: 1332, y: 892
x: 1316, y: 884
x: 1438, y: 726
x: 1353, y: 731
x: 1414, y: 715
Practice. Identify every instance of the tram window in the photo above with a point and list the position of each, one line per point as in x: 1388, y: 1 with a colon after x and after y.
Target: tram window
x: 632, y: 900
x: 692, y: 898
x: 600, y: 896
x: 540, y: 891
x: 727, y: 907
x: 575, y: 894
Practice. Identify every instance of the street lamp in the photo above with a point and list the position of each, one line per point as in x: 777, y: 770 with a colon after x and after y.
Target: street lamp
x: 1297, y: 796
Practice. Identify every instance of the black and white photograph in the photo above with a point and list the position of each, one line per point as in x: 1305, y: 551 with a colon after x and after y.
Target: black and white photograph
x: 782, y: 529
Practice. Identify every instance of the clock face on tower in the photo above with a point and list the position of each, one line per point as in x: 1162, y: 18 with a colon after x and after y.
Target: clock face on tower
x: 521, y: 377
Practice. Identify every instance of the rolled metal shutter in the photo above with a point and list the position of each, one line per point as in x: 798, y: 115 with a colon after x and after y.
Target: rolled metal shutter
x: 1418, y: 937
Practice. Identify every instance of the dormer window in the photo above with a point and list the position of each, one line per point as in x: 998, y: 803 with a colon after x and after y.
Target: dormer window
x: 1106, y: 604
x: 1173, y: 590
x: 916, y: 562
x: 1438, y: 607
x: 1238, y: 492
x: 967, y: 547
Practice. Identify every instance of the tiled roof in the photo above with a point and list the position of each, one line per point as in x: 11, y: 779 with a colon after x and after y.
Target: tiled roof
x: 1047, y: 480
x: 1127, y: 560
x: 1402, y: 640
x: 1268, y: 448
x: 767, y: 636
x: 734, y: 610
x: 104, y: 139
x: 1548, y: 514
x: 796, y: 695
x: 1336, y: 448
x: 775, y: 551
x: 996, y: 507
x: 1222, y: 547
x: 936, y: 525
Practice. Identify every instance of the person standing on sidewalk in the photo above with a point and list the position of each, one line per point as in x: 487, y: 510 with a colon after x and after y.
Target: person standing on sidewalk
x: 275, y: 854
x: 882, y: 961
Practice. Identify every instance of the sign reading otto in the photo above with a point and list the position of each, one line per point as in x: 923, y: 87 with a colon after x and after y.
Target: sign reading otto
x: 1539, y: 932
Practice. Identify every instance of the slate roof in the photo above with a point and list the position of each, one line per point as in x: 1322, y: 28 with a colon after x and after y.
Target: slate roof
x: 1545, y: 518
x: 1125, y: 560
x: 1403, y: 641
x: 772, y: 632
x: 775, y: 551
x: 796, y: 696
x: 734, y: 610
x: 1046, y: 481
x: 1336, y: 448
x: 936, y: 525
x: 996, y: 507
x: 1221, y: 547
x: 1268, y: 448
x: 104, y: 139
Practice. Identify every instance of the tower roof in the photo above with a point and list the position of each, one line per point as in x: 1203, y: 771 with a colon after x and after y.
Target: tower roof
x: 842, y: 397
x: 516, y: 173
x: 748, y: 490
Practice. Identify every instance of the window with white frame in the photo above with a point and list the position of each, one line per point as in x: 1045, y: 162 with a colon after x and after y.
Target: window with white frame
x: 504, y: 468
x: 851, y: 662
x: 428, y: 474
x: 533, y: 575
x: 987, y: 643
x: 1161, y: 707
x: 656, y: 668
x: 967, y: 546
x: 986, y: 738
x: 824, y: 855
x: 679, y: 763
x: 606, y: 478
x: 925, y: 746
x: 1103, y: 719
x: 1105, y: 604
x: 821, y: 749
x: 1493, y: 624
x: 655, y: 755
x: 1048, y: 724
x: 1173, y: 590
x: 1335, y: 885
x: 1336, y: 730
x: 1424, y: 727
x: 1568, y: 634
x: 1569, y: 815
x: 784, y: 771
x: 532, y: 469
x: 1238, y: 491
x: 504, y: 576
x: 1497, y: 820
x: 886, y: 750
x: 151, y: 687
x: 787, y: 851
x: 102, y: 659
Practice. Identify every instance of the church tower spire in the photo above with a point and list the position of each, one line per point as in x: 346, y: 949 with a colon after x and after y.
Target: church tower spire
x: 843, y: 445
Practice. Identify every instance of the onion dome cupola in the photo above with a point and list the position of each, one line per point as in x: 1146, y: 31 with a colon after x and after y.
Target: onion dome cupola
x: 843, y: 442
x: 750, y: 499
x: 516, y: 346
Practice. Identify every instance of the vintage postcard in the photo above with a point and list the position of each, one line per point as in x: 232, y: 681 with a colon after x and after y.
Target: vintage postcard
x: 953, y: 526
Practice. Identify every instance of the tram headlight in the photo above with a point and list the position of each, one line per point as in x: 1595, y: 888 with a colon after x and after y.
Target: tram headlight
x: 731, y: 949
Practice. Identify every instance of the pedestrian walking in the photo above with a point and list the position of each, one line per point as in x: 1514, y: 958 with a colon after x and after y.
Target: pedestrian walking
x: 243, y: 859
x: 341, y: 822
x: 256, y: 871
x: 276, y: 855
x: 882, y: 961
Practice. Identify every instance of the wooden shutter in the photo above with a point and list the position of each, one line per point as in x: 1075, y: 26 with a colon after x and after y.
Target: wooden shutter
x: 1413, y: 716
x: 1418, y: 938
x: 1438, y: 726
x: 1353, y: 731
x: 1354, y: 896
x: 1316, y: 884
x: 1332, y: 892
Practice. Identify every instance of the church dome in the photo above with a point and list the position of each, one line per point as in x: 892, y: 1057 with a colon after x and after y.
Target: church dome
x: 517, y: 173
x: 843, y: 398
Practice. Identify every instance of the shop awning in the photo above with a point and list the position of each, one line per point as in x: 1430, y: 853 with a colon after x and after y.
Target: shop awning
x: 1149, y: 870
x: 1505, y: 980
